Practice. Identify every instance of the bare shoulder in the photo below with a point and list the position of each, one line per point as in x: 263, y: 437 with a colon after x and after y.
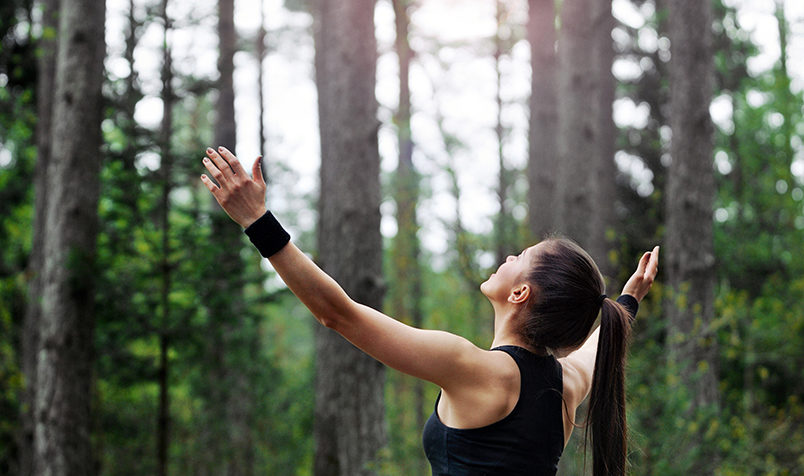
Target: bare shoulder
x: 488, y: 396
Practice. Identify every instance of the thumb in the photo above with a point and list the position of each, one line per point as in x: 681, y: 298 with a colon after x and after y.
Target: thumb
x: 256, y: 171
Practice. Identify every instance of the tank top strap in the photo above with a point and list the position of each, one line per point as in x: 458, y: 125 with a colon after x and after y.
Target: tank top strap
x: 538, y: 372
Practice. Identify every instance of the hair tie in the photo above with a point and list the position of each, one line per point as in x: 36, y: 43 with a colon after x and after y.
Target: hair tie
x: 601, y: 299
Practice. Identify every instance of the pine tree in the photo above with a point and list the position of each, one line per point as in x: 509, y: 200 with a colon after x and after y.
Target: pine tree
x: 64, y: 367
x: 349, y: 425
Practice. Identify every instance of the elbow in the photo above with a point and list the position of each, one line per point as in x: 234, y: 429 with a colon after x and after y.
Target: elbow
x: 334, y: 317
x: 327, y: 322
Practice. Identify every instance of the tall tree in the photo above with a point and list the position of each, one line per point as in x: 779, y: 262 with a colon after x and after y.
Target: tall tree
x: 575, y: 191
x: 543, y: 125
x: 31, y: 327
x: 784, y: 83
x: 603, y: 216
x: 230, y: 395
x: 406, y: 294
x: 349, y: 415
x: 504, y: 230
x: 261, y: 52
x: 166, y: 132
x: 690, y: 194
x: 64, y: 367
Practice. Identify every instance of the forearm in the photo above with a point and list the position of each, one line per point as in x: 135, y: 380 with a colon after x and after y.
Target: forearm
x: 315, y: 289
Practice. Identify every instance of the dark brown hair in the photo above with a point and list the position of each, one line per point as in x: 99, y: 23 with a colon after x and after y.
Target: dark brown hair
x: 568, y: 288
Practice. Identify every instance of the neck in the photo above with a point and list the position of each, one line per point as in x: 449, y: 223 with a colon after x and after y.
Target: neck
x: 505, y: 329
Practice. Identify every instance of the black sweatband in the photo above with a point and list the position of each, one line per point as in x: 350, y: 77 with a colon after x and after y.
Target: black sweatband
x: 630, y: 304
x: 267, y: 235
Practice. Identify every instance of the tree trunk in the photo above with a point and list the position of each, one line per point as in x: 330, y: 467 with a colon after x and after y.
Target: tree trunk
x: 406, y: 301
x: 260, y: 51
x: 576, y: 185
x: 64, y: 366
x: 349, y: 413
x: 605, y: 170
x: 783, y: 77
x: 503, y: 246
x: 163, y: 414
x: 231, y: 398
x: 543, y: 126
x: 690, y: 195
x: 31, y: 324
x: 225, y: 126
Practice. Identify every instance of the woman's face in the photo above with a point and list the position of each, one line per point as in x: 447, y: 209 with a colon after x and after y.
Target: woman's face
x: 509, y: 275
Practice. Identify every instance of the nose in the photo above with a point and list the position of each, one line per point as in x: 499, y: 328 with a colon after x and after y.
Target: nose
x: 510, y: 258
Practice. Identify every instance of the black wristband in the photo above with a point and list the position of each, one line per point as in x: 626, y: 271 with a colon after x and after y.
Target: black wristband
x: 267, y: 235
x: 630, y: 304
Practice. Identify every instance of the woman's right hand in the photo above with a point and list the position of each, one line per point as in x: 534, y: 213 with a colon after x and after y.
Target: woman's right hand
x: 640, y: 282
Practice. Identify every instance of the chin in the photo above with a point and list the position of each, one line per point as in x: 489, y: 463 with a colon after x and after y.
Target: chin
x: 483, y: 285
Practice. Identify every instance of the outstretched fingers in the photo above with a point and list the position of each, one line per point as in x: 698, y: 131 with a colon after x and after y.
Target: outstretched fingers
x: 256, y: 171
x: 643, y: 263
x: 233, y: 162
x: 653, y: 264
x: 641, y: 281
x: 216, y: 171
x: 215, y: 160
x: 210, y: 185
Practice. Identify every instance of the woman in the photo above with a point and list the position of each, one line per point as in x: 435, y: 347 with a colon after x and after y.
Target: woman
x: 508, y: 410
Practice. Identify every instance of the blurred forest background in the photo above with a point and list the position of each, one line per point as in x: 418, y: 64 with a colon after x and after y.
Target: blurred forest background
x: 141, y: 334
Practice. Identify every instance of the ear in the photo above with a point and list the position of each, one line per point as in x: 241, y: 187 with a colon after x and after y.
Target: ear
x: 520, y: 294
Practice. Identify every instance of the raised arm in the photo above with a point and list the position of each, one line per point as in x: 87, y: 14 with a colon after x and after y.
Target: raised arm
x: 440, y: 357
x: 579, y: 365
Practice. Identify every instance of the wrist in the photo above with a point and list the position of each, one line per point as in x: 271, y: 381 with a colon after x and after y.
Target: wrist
x: 267, y: 234
x: 253, y: 218
x: 631, y: 305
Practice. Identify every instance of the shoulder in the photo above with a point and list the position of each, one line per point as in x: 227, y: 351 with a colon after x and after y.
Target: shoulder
x: 487, y: 368
x: 488, y: 395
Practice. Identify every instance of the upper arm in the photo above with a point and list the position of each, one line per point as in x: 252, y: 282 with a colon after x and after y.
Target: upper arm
x: 577, y: 368
x: 445, y: 359
x: 579, y: 365
x: 440, y: 357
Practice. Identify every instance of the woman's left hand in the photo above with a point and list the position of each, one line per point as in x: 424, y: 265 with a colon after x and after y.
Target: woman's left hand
x: 242, y: 197
x: 640, y: 282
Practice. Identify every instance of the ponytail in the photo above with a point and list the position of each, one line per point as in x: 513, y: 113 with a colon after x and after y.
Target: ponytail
x: 569, y: 287
x: 607, y: 397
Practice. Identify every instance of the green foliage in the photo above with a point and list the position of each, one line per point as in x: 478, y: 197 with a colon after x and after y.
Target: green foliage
x: 17, y: 152
x: 11, y: 379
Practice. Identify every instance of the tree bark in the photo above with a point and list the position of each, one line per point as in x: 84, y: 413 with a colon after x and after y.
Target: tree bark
x: 349, y: 414
x: 789, y: 102
x: 163, y: 416
x: 230, y: 397
x: 64, y: 366
x: 225, y: 126
x: 406, y: 300
x: 690, y: 196
x: 605, y: 170
x: 543, y: 126
x: 31, y: 323
x: 261, y: 54
x: 576, y: 185
x: 503, y: 231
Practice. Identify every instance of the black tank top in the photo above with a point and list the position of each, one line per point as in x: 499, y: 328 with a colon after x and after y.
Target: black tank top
x: 528, y: 441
